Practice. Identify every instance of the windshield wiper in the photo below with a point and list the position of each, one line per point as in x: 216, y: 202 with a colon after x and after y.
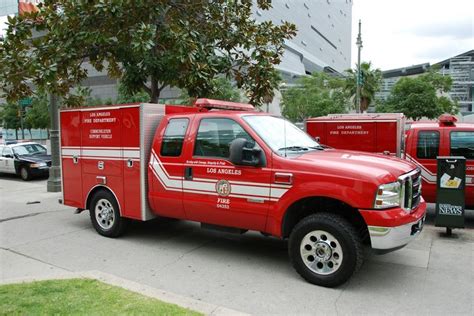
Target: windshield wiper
x: 294, y: 148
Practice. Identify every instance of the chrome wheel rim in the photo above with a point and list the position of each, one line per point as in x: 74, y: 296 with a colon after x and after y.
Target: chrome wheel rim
x: 24, y: 173
x: 104, y: 214
x: 321, y: 252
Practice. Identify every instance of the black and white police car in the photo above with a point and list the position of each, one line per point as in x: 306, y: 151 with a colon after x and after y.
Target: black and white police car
x: 27, y: 160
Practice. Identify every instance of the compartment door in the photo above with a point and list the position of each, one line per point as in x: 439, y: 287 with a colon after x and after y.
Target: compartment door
x: 131, y: 163
x: 71, y: 129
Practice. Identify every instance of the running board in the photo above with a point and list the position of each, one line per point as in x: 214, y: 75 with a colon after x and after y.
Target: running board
x: 224, y: 229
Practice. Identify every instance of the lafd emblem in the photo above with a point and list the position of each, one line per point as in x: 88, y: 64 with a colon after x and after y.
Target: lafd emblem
x: 223, y: 187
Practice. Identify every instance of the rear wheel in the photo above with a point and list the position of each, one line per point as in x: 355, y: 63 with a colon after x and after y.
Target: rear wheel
x: 105, y: 215
x: 325, y: 249
x: 25, y: 173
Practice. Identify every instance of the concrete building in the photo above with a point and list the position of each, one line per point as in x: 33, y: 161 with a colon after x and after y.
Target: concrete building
x: 323, y: 42
x: 461, y: 70
x: 390, y: 77
x: 459, y: 67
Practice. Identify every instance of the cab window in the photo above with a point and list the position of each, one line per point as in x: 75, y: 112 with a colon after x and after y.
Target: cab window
x: 428, y: 145
x: 462, y: 144
x: 173, y: 139
x: 215, y: 135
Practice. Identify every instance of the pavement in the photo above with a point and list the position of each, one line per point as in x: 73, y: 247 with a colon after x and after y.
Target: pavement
x: 249, y: 273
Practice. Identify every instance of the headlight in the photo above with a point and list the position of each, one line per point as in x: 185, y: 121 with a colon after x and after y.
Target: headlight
x: 388, y: 195
x: 38, y: 165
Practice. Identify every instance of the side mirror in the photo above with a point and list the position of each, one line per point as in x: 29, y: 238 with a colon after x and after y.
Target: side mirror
x: 243, y: 153
x: 8, y: 156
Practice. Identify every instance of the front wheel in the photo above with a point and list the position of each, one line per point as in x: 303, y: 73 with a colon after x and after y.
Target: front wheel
x: 25, y: 173
x: 325, y: 249
x: 105, y: 215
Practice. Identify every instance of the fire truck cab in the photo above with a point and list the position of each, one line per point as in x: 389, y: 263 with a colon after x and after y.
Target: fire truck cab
x: 231, y: 168
x: 426, y: 141
x: 391, y: 134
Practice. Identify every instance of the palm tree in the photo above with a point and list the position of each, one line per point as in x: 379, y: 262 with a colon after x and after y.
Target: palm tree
x: 371, y: 81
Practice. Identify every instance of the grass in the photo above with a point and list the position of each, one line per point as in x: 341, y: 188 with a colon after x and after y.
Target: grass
x: 80, y: 297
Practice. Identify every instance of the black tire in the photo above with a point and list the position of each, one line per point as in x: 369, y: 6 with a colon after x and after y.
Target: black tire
x: 346, y: 239
x: 104, y: 201
x: 25, y: 173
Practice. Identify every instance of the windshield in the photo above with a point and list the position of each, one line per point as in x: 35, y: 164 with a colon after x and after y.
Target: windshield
x: 29, y: 149
x: 282, y: 136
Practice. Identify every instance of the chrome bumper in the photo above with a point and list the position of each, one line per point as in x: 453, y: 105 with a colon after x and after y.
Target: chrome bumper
x: 392, y: 238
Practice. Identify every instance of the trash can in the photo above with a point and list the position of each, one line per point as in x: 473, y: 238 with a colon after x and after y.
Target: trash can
x: 450, y: 186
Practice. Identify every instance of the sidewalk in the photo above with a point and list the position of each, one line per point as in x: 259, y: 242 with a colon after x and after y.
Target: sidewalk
x: 248, y: 273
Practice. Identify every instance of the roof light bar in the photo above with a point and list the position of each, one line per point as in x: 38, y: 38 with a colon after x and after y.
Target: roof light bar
x: 447, y: 120
x: 223, y: 105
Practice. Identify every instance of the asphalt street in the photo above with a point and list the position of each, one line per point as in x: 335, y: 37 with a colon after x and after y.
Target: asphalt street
x: 249, y: 273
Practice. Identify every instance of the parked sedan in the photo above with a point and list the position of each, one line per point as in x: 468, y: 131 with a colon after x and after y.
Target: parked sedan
x: 27, y: 160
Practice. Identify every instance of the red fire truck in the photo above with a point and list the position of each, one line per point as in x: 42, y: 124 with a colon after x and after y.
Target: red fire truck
x: 419, y: 142
x: 232, y: 168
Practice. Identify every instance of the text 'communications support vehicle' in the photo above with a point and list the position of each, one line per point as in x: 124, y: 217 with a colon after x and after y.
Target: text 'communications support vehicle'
x: 229, y: 167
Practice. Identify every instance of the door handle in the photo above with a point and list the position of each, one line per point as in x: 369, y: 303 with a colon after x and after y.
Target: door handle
x: 188, y: 173
x: 75, y: 159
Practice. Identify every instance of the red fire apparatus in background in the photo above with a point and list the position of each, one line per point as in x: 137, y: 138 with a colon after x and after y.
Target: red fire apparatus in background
x: 418, y: 142
x: 229, y: 167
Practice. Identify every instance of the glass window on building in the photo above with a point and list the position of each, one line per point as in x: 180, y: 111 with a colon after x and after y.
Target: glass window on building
x: 428, y: 145
x: 462, y: 144
x: 8, y: 7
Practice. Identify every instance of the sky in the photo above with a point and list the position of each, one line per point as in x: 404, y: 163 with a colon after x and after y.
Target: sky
x: 398, y: 33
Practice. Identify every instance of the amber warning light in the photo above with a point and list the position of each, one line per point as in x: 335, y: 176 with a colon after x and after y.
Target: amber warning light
x: 222, y: 105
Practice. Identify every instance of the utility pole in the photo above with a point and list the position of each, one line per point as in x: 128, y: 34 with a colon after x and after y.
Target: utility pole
x: 359, y: 47
x: 54, y: 180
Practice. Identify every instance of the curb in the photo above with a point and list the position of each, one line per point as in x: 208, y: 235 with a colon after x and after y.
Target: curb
x: 165, y: 296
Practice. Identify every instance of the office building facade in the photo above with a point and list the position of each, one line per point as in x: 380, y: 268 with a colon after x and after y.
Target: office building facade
x: 323, y: 41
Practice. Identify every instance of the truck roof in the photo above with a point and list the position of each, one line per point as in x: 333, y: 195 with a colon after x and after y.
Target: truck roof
x: 358, y: 117
x: 436, y: 125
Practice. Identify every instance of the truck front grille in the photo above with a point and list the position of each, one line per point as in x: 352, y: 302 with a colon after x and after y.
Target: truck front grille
x: 411, y: 189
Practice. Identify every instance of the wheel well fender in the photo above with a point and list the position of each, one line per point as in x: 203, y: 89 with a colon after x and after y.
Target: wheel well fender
x: 314, y: 204
x: 97, y: 189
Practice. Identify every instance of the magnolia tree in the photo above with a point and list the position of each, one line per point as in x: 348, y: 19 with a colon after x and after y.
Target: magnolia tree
x: 147, y: 44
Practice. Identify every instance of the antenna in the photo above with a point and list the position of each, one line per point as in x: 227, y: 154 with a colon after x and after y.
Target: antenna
x: 284, y: 136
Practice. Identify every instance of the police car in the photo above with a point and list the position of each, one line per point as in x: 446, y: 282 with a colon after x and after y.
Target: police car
x: 27, y: 160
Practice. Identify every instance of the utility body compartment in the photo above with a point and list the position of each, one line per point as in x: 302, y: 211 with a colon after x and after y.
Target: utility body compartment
x: 376, y: 133
x: 109, y: 147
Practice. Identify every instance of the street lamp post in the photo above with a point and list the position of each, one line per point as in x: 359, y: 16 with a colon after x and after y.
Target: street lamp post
x: 54, y: 180
x: 358, y: 81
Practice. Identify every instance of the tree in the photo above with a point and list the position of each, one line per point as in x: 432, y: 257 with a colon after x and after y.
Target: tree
x: 315, y: 95
x: 223, y: 90
x: 37, y: 116
x: 370, y: 82
x: 124, y: 95
x: 420, y: 97
x: 147, y: 44
x: 10, y: 117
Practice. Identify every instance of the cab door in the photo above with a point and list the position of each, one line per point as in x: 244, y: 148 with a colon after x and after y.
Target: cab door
x: 166, y: 169
x: 2, y: 160
x: 425, y: 148
x: 8, y: 161
x: 214, y: 190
